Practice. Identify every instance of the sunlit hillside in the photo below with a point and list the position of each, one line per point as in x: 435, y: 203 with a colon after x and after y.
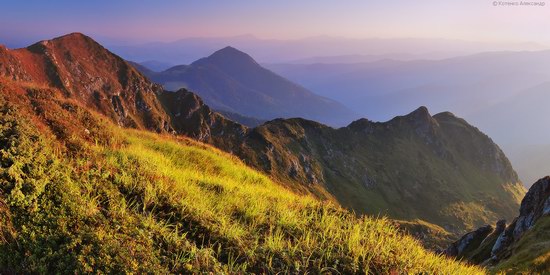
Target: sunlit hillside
x: 109, y: 200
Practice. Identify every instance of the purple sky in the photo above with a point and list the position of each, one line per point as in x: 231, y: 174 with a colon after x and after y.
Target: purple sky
x: 22, y: 22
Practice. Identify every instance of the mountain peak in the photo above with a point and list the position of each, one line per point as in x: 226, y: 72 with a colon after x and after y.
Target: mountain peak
x: 445, y: 115
x: 229, y: 49
x: 81, y: 67
x: 75, y: 38
x: 73, y: 35
x: 362, y: 124
x: 229, y: 56
x: 422, y: 111
x: 420, y: 115
x: 71, y: 41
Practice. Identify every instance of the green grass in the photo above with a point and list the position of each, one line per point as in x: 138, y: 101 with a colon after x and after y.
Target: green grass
x: 144, y: 203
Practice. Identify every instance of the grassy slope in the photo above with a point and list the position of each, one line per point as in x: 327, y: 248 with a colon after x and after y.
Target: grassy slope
x: 532, y: 253
x: 138, y: 202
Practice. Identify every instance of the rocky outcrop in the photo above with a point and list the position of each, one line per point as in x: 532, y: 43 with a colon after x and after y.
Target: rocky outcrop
x: 468, y: 242
x: 191, y: 117
x: 499, y: 245
x: 535, y: 204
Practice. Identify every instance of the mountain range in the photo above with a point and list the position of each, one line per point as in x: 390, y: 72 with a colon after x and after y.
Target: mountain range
x: 187, y: 50
x: 492, y: 90
x: 101, y: 163
x: 231, y: 81
x: 368, y: 167
x: 354, y: 166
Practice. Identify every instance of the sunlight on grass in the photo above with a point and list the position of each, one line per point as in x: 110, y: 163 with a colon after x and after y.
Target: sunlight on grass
x: 250, y: 216
x: 127, y: 201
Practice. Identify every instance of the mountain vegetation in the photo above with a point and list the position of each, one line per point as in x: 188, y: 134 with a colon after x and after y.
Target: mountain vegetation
x: 369, y: 167
x: 103, y: 171
x: 461, y: 177
x: 81, y: 194
x: 372, y: 167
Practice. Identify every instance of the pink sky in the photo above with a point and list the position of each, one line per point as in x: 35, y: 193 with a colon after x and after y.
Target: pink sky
x: 170, y: 19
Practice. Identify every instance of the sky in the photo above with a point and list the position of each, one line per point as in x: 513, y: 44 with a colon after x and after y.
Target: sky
x: 129, y: 21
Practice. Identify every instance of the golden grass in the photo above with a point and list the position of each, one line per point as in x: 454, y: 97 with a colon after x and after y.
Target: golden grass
x: 129, y: 201
x: 255, y: 224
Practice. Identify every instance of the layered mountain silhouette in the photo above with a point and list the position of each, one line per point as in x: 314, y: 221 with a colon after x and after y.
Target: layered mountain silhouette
x: 230, y: 80
x: 435, y: 168
x: 280, y: 50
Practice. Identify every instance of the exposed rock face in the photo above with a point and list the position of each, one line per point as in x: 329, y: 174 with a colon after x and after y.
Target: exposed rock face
x: 190, y: 116
x: 535, y: 204
x: 468, y: 242
x: 501, y: 242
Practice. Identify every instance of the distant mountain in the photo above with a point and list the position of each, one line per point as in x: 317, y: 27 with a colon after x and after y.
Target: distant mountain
x: 230, y: 80
x: 523, y: 246
x: 363, y: 58
x: 381, y: 89
x: 529, y: 160
x: 187, y: 50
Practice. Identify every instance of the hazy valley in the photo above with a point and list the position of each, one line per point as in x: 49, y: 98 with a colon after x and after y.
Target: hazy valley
x: 499, y: 92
